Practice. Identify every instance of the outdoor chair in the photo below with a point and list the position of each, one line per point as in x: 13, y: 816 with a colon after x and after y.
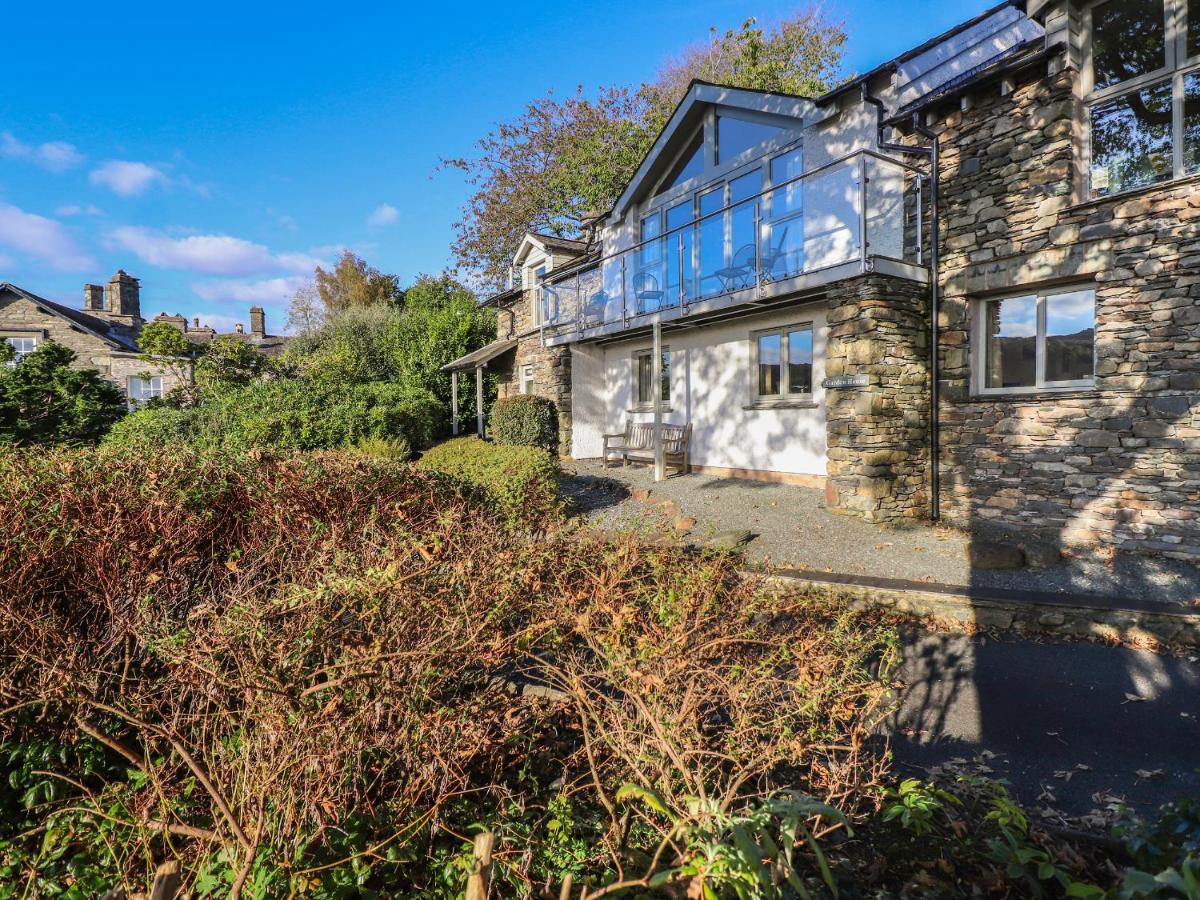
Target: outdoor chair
x: 769, y: 257
x: 646, y: 290
x: 738, y: 274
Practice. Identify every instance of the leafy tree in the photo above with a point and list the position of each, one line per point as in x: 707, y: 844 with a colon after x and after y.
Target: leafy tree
x: 438, y: 321
x: 306, y: 312
x: 228, y: 361
x: 561, y: 161
x: 44, y: 400
x: 353, y: 283
x: 167, y: 348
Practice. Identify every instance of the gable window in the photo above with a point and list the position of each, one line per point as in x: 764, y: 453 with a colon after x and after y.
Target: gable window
x: 644, y: 378
x: 1143, y: 93
x: 22, y: 347
x: 782, y: 362
x: 689, y: 165
x: 1036, y: 342
x: 143, y: 389
x: 736, y: 135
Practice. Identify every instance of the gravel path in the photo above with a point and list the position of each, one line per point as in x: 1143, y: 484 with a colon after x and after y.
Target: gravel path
x: 792, y: 529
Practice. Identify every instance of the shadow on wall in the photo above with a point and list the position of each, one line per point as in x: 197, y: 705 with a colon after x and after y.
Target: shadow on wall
x: 1074, y: 722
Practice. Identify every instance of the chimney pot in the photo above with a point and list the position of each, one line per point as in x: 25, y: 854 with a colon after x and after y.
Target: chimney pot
x: 196, y: 322
x: 238, y: 328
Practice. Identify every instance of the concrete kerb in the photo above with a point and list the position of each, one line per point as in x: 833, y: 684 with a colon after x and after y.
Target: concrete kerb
x: 1138, y: 623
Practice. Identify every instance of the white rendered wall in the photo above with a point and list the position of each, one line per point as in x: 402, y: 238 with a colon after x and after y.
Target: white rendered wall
x: 710, y: 387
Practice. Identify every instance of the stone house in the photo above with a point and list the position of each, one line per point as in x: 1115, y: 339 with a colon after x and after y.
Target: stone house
x: 963, y: 286
x: 104, y: 333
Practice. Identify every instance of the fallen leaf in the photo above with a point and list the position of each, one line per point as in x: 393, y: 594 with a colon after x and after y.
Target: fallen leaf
x: 1133, y: 698
x: 1149, y: 773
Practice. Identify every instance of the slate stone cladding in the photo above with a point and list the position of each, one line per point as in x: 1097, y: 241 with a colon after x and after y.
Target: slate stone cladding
x: 878, y: 456
x: 551, y: 365
x: 1118, y: 464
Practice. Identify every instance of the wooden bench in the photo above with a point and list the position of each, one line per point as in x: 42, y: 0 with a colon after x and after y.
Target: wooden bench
x: 636, y: 443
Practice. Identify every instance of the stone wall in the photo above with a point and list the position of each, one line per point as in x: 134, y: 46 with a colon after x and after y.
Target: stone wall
x: 1118, y: 464
x: 878, y: 435
x: 21, y: 318
x: 551, y: 365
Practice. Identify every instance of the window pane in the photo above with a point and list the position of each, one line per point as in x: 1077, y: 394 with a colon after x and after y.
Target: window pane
x: 644, y: 379
x: 1128, y: 39
x: 736, y: 136
x: 679, y: 251
x: 1011, y: 343
x: 712, y: 242
x: 769, y: 364
x: 690, y: 164
x: 1070, y: 336
x: 788, y: 198
x: 742, y: 227
x: 800, y: 353
x: 1191, y: 120
x: 1131, y: 141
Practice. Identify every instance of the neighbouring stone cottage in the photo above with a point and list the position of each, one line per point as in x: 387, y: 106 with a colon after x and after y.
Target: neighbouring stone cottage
x: 789, y: 251
x: 104, y: 333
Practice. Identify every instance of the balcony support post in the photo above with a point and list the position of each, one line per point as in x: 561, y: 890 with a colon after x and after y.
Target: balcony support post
x: 679, y: 255
x: 479, y: 399
x: 660, y: 468
x: 758, y: 248
x: 624, y: 294
x: 862, y: 206
x: 454, y: 402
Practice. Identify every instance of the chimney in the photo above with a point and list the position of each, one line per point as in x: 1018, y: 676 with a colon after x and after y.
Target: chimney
x: 123, y: 296
x: 258, y: 321
x: 196, y: 322
x: 238, y: 328
x: 93, y: 297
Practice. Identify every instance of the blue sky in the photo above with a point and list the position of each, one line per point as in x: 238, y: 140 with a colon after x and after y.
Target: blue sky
x: 219, y: 151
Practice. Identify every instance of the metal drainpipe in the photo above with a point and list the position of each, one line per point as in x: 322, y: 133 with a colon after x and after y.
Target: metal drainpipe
x: 932, y: 153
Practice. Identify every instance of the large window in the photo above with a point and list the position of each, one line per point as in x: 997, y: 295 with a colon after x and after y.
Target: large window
x: 22, y: 347
x: 783, y: 362
x: 144, y: 389
x: 1037, y: 342
x: 1144, y: 96
x: 644, y: 377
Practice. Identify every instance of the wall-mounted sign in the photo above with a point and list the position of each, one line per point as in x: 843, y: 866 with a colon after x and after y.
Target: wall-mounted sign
x: 844, y: 382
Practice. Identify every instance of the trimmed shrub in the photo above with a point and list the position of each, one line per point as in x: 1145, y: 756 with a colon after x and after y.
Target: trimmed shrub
x: 525, y: 421
x: 286, y: 415
x: 397, y: 449
x: 521, y: 483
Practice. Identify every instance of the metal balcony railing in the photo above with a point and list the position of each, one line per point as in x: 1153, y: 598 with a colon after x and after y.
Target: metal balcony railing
x: 861, y: 207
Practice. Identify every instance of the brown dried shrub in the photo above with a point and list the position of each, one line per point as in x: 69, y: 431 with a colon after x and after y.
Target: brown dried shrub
x: 279, y: 642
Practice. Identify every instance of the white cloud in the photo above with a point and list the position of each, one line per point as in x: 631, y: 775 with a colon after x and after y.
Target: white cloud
x: 384, y: 214
x: 247, y: 290
x: 56, y: 156
x: 75, y: 209
x: 212, y: 254
x: 43, y: 238
x: 127, y: 178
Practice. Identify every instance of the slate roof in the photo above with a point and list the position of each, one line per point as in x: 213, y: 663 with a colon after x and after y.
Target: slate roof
x: 112, y: 334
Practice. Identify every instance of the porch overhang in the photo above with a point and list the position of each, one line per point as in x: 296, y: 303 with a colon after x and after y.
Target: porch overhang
x: 480, y: 357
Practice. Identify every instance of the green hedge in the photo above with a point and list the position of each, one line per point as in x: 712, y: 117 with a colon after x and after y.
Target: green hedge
x: 525, y: 421
x: 520, y: 482
x: 287, y: 415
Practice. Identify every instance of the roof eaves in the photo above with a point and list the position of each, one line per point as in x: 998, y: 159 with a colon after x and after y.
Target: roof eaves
x: 97, y: 328
x: 893, y: 64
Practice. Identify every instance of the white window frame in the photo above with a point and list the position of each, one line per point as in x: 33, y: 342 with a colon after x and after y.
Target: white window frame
x: 979, y: 348
x: 525, y: 378
x: 785, y: 396
x: 1178, y: 66
x: 637, y: 405
x: 141, y: 396
x: 19, y: 354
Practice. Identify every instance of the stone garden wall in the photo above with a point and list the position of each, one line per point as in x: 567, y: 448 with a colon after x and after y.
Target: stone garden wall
x: 551, y: 365
x: 1118, y: 464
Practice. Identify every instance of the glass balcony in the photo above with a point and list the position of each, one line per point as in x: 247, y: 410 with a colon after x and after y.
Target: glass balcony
x: 739, y: 244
